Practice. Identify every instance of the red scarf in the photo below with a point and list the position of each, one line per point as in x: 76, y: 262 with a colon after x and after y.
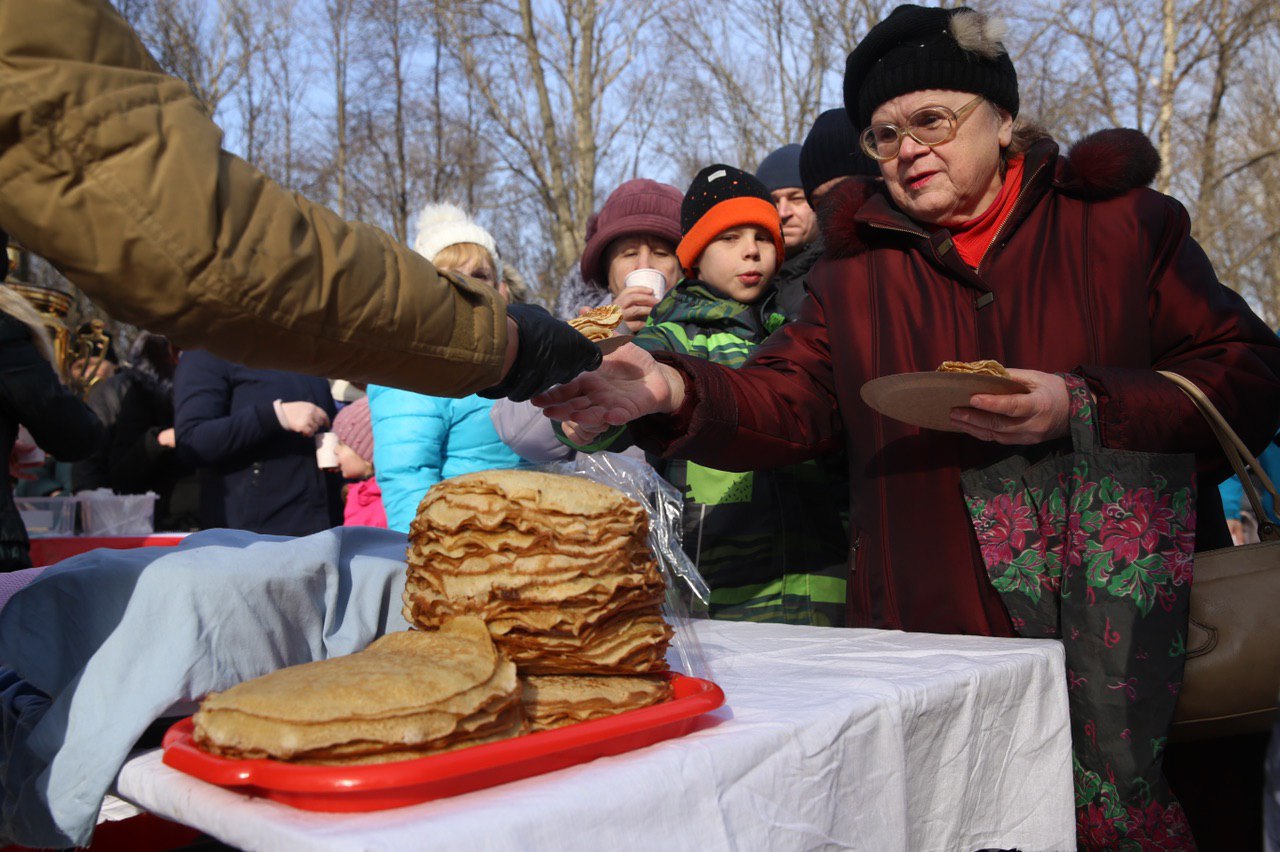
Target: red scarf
x: 973, y: 238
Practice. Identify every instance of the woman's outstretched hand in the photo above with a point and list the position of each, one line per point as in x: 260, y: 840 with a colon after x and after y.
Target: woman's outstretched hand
x: 1018, y: 418
x: 629, y: 384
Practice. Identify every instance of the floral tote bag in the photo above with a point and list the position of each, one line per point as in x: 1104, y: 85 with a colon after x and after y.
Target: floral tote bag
x: 1094, y: 547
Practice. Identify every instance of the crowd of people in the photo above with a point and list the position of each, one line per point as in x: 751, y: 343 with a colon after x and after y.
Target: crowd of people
x: 924, y: 221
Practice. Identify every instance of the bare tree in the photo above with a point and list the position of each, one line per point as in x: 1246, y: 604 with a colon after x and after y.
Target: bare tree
x: 1181, y: 70
x: 337, y: 16
x: 1232, y: 25
x: 758, y: 72
x: 136, y: 12
x: 289, y: 75
x: 248, y: 22
x: 385, y: 171
x: 549, y: 78
x: 199, y: 45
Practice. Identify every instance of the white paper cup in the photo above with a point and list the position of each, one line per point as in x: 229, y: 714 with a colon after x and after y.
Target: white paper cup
x: 651, y: 278
x: 327, y: 450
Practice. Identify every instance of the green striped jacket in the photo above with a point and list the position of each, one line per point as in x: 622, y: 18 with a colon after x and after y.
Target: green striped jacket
x: 771, y: 543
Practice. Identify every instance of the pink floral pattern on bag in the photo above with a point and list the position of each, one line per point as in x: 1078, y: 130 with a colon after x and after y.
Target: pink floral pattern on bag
x: 1095, y: 548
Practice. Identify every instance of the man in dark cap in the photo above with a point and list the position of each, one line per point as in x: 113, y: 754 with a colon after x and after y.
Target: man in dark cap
x: 780, y: 174
x: 831, y: 155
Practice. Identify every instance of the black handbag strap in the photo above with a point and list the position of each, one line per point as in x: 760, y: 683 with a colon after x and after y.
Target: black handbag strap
x: 1242, y: 461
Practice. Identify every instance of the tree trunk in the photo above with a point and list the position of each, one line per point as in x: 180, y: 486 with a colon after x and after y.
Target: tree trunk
x: 339, y: 17
x: 1165, y: 117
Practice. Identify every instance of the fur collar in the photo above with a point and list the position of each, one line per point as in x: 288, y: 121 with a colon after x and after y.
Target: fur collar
x: 1103, y: 165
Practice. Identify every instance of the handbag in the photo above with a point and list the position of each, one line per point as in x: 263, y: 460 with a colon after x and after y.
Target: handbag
x: 1231, y: 682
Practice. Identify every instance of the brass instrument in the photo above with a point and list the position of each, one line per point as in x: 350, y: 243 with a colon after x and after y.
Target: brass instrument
x: 81, y: 354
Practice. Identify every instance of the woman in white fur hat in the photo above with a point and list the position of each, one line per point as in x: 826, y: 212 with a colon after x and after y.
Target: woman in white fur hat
x: 419, y: 440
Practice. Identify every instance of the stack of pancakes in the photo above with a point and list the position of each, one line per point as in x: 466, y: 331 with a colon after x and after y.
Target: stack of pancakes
x: 560, y: 569
x: 549, y: 573
x: 407, y: 695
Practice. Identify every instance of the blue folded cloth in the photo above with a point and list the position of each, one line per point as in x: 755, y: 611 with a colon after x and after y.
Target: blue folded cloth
x: 101, y: 645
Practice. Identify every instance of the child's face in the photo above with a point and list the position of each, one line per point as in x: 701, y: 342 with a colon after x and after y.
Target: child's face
x: 351, y: 465
x: 482, y: 270
x: 740, y: 263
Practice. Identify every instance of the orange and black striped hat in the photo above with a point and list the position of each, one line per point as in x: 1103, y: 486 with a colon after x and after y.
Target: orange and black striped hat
x: 722, y: 197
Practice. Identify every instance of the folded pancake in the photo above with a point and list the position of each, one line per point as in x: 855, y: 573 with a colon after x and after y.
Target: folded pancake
x: 598, y: 323
x: 981, y: 368
x: 410, y: 690
x: 553, y: 701
x: 510, y: 723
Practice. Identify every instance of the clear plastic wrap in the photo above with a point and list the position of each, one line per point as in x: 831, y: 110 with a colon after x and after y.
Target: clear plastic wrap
x: 664, y: 504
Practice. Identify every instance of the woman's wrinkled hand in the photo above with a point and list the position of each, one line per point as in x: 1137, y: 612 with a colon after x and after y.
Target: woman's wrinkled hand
x: 629, y: 384
x: 1019, y: 418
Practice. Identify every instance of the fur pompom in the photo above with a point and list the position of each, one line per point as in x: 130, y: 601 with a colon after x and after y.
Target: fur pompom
x: 444, y: 225
x: 979, y: 33
x: 1110, y: 163
x: 837, y: 213
x: 435, y: 215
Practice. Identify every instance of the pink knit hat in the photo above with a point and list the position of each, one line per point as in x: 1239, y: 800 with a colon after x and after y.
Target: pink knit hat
x: 637, y: 207
x: 355, y: 429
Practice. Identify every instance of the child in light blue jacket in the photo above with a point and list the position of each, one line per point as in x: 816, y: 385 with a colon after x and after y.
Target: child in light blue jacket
x: 419, y: 440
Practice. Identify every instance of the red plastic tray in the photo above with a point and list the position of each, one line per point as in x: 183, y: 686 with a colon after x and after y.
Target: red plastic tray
x: 392, y: 785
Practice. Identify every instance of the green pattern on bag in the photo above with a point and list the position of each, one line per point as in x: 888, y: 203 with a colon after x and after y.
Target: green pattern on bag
x: 1094, y: 548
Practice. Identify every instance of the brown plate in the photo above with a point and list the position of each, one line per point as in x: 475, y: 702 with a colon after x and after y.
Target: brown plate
x: 926, y: 399
x: 616, y: 342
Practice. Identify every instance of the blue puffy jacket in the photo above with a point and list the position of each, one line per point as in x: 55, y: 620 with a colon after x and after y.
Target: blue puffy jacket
x: 419, y: 440
x: 1233, y: 499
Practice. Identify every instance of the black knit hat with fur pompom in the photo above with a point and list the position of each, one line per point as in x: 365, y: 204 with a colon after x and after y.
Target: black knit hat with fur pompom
x: 917, y: 48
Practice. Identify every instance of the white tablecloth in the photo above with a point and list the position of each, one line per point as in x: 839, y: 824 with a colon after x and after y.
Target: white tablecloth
x: 849, y: 739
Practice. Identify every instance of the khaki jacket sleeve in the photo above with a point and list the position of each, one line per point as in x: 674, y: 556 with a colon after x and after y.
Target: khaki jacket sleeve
x: 110, y: 169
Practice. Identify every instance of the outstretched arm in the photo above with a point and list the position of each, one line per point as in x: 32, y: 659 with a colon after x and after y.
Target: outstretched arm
x: 114, y: 173
x: 780, y: 408
x: 629, y: 384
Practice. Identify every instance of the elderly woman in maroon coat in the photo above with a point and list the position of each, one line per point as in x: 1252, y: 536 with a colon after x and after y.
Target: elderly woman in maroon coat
x: 980, y: 240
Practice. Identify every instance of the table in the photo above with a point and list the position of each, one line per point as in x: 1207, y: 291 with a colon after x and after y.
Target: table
x: 855, y: 739
x: 50, y: 549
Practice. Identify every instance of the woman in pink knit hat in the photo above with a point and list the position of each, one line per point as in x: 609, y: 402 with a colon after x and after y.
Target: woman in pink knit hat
x: 637, y: 228
x: 363, y: 506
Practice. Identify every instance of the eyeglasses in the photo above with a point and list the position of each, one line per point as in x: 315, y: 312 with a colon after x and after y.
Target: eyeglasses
x: 931, y: 125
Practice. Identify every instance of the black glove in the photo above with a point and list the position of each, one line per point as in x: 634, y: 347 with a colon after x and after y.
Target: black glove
x: 550, y: 352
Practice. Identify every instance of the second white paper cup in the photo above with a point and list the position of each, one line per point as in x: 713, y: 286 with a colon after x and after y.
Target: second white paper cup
x: 651, y: 278
x: 327, y: 450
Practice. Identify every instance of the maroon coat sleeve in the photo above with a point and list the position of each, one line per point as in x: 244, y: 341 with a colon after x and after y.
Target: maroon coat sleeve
x: 780, y: 408
x: 1202, y: 330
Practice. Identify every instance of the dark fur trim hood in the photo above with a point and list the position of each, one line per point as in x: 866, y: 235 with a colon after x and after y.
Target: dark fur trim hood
x: 1103, y: 165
